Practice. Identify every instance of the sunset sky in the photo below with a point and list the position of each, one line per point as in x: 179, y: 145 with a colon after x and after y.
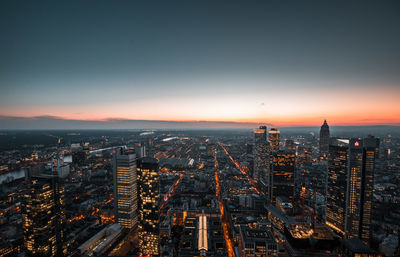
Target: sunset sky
x: 286, y: 62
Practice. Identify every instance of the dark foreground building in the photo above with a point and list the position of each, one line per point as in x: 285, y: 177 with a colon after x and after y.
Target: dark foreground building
x: 44, y: 216
x: 281, y: 179
x: 351, y: 168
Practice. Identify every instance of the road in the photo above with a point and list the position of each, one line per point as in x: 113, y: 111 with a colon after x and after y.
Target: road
x: 171, y: 191
x: 252, y: 181
x: 224, y: 220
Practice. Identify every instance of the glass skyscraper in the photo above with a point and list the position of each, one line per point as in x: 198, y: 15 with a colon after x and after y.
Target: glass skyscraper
x: 43, y: 215
x: 351, y: 166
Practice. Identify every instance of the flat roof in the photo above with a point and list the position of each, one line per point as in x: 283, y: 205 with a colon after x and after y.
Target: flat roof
x: 357, y: 246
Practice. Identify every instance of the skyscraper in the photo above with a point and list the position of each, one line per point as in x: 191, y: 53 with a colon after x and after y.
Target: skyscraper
x: 44, y: 216
x: 273, y: 137
x: 281, y: 179
x: 351, y: 166
x: 324, y: 139
x: 125, y: 187
x: 149, y: 200
x: 261, y: 154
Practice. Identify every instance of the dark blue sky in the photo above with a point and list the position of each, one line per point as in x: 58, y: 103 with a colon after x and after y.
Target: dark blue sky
x: 71, y: 58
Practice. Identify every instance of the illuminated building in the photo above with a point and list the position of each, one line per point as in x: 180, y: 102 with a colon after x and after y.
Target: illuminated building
x: 101, y: 242
x: 258, y: 241
x: 351, y: 165
x: 149, y: 200
x: 281, y: 179
x: 125, y: 187
x: 44, y: 216
x: 278, y: 218
x: 273, y: 137
x: 324, y: 139
x: 261, y: 155
x: 305, y: 240
x: 202, y: 236
x: 202, y: 244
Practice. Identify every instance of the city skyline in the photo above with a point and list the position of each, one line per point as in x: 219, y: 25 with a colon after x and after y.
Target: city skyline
x: 199, y: 128
x: 288, y: 65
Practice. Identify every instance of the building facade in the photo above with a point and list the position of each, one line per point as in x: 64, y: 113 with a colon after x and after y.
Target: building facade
x: 43, y: 215
x: 125, y: 187
x: 261, y: 154
x: 274, y: 137
x: 258, y: 241
x: 351, y: 166
x: 281, y: 179
x: 324, y: 139
x: 149, y: 201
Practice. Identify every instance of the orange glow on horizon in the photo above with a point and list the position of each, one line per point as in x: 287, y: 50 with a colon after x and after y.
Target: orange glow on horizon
x: 337, y: 120
x: 296, y: 107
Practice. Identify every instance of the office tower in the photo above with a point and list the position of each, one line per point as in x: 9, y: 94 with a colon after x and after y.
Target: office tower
x: 125, y: 187
x: 373, y: 141
x: 149, y: 199
x: 273, y: 137
x: 261, y: 154
x: 281, y: 179
x: 44, y: 216
x: 351, y: 165
x: 324, y: 139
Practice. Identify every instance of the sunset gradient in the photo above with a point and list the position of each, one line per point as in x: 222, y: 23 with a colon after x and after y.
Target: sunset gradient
x: 276, y: 63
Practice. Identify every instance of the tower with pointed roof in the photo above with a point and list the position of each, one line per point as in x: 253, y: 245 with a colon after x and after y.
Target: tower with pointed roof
x: 324, y: 139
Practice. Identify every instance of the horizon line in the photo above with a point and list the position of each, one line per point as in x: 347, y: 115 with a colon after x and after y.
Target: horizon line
x: 221, y: 122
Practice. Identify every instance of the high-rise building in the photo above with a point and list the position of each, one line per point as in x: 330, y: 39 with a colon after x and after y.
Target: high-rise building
x: 261, y: 153
x: 274, y: 136
x: 324, y: 139
x: 351, y: 166
x: 44, y: 216
x: 281, y: 179
x: 373, y: 141
x: 125, y: 187
x: 149, y: 200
